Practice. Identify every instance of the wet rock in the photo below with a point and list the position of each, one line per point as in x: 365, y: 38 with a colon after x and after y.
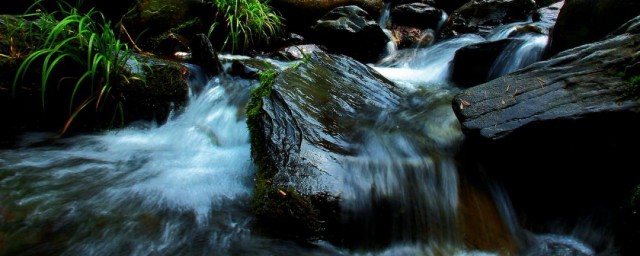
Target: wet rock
x: 549, y: 14
x: 300, y: 15
x: 566, y: 83
x: 417, y: 15
x: 481, y: 16
x: 163, y: 89
x: 573, y: 29
x: 301, y: 131
x: 472, y: 64
x: 401, y: 2
x: 155, y: 17
x: 351, y: 31
x: 412, y: 37
x: 203, y: 54
x: 247, y: 68
x: 172, y: 43
x: 449, y: 5
x: 297, y: 52
x: 554, y: 131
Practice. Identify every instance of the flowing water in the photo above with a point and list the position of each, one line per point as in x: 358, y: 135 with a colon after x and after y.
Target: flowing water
x: 184, y: 188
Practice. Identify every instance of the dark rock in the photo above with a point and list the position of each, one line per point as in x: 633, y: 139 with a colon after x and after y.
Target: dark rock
x: 547, y: 3
x: 449, y: 6
x: 248, y: 68
x: 300, y: 15
x: 401, y: 2
x: 203, y: 54
x: 472, y: 64
x: 164, y: 89
x: 297, y: 52
x: 567, y: 83
x: 554, y: 131
x: 291, y: 39
x: 351, y: 31
x: 155, y: 17
x: 417, y: 15
x: 549, y: 14
x: 412, y: 37
x: 581, y: 21
x: 481, y: 16
x: 300, y: 136
x: 170, y: 44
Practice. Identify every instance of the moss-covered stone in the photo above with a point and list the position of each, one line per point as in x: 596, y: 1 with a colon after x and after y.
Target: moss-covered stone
x: 299, y: 122
x: 282, y: 208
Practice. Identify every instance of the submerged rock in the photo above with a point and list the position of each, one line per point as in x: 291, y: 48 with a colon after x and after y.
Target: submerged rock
x: 351, y: 31
x: 481, y: 16
x: 301, y: 135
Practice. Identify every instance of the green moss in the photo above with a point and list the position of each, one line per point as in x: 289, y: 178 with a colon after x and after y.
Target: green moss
x: 634, y: 86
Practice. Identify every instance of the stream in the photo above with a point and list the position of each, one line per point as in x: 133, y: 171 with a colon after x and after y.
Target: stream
x: 184, y: 188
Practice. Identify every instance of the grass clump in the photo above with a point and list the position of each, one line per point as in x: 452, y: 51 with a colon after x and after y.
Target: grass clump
x: 246, y: 22
x: 76, y: 40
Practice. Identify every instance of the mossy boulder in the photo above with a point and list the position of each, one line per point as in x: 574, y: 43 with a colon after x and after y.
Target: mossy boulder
x: 301, y: 125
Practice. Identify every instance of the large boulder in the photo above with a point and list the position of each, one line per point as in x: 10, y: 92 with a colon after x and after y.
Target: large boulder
x: 585, y: 21
x: 481, y: 16
x: 300, y: 136
x: 351, y: 31
x: 554, y: 131
x: 575, y: 84
x: 301, y: 14
x: 417, y: 15
x: 300, y: 139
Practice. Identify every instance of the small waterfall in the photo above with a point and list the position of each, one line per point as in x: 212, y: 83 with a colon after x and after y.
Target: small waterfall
x: 391, y: 48
x: 533, y: 38
x: 427, y: 65
x: 384, y: 15
x: 443, y: 19
x: 519, y: 54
